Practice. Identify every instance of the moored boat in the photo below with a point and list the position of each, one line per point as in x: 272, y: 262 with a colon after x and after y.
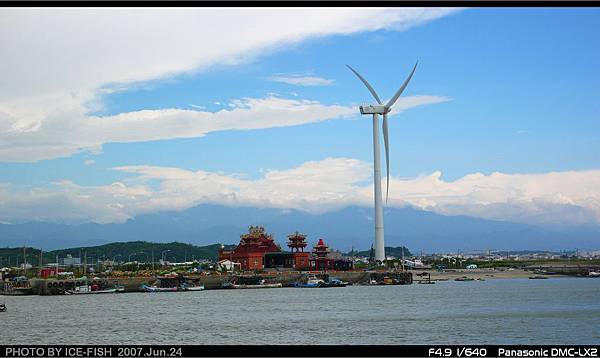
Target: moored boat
x: 89, y: 290
x: 333, y: 282
x: 594, y: 274
x: 464, y: 278
x: 192, y: 288
x: 261, y: 285
x: 158, y: 289
x: 312, y: 281
x: 241, y: 282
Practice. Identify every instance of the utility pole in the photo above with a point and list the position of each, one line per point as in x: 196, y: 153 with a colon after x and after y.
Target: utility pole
x: 25, y: 260
x: 402, y: 257
x: 41, y: 262
x: 153, y: 273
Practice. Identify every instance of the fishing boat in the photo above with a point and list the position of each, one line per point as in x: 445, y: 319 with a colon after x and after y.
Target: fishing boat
x: 464, y: 278
x: 311, y: 282
x: 334, y: 282
x: 260, y: 285
x: 158, y: 289
x: 187, y: 287
x: 250, y: 282
x: 370, y: 282
x: 544, y: 272
x: 390, y: 281
x: 89, y: 290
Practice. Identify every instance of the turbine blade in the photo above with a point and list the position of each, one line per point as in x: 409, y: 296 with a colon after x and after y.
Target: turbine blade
x: 395, y: 98
x: 366, y: 84
x: 387, y: 156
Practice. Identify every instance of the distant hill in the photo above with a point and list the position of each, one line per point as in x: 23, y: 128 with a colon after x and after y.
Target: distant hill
x: 121, y: 251
x: 389, y: 251
x: 343, y: 229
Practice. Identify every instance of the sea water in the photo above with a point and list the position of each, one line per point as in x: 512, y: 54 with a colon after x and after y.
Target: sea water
x: 496, y: 311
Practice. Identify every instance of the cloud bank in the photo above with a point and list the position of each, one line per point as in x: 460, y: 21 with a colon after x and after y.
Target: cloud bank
x: 57, y: 63
x: 64, y: 134
x: 570, y: 197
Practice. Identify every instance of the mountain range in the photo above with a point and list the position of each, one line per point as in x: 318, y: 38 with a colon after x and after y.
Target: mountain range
x: 348, y: 228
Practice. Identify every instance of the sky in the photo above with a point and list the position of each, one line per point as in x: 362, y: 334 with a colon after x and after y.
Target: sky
x: 106, y: 114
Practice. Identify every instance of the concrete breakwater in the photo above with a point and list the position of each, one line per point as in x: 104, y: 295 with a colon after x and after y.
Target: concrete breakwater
x: 133, y: 284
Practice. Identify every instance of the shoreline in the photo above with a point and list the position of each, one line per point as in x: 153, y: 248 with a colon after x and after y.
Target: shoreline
x: 485, y: 274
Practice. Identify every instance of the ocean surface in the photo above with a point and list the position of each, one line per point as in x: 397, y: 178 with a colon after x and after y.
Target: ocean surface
x: 500, y: 311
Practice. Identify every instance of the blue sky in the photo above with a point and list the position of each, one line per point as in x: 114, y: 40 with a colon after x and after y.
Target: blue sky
x: 521, y: 86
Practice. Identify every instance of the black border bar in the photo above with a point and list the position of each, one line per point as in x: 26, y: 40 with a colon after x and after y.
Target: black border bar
x: 299, y: 351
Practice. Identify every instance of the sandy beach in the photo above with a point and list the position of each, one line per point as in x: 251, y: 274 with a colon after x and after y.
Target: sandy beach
x: 485, y: 274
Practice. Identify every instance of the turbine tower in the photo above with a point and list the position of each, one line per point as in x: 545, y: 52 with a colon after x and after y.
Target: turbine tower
x: 376, y: 110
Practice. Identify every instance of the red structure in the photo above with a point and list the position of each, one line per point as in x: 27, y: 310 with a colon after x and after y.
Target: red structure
x: 50, y: 271
x: 251, y: 250
x: 297, y: 243
x: 257, y: 251
x: 320, y: 261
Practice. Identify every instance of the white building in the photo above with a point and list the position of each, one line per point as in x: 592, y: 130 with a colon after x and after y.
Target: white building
x: 228, y: 265
x: 71, y: 261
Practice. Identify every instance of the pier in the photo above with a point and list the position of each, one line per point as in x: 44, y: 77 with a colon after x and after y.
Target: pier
x: 45, y: 287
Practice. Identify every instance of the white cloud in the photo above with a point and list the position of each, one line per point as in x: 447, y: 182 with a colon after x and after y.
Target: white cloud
x: 571, y: 197
x: 195, y: 106
x: 66, y: 134
x: 300, y: 80
x: 404, y: 103
x: 56, y: 63
x: 89, y: 162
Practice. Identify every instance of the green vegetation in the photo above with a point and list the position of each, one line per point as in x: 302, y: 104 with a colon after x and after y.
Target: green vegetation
x: 389, y: 251
x: 140, y: 251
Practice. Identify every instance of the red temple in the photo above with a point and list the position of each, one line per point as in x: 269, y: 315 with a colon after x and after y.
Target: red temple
x: 257, y: 251
x: 251, y: 250
x: 320, y: 260
x: 297, y: 243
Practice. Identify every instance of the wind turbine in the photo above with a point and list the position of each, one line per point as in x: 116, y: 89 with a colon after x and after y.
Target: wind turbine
x: 376, y: 110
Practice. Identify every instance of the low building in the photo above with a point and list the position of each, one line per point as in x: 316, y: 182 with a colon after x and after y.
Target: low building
x: 71, y: 261
x: 296, y: 258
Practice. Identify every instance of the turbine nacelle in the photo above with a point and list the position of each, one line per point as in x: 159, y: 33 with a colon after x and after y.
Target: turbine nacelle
x: 373, y: 109
x: 383, y: 109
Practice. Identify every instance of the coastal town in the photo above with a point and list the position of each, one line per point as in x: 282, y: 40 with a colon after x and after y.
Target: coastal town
x: 258, y: 261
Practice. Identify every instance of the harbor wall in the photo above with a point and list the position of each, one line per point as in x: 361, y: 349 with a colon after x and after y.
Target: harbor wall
x: 133, y: 284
